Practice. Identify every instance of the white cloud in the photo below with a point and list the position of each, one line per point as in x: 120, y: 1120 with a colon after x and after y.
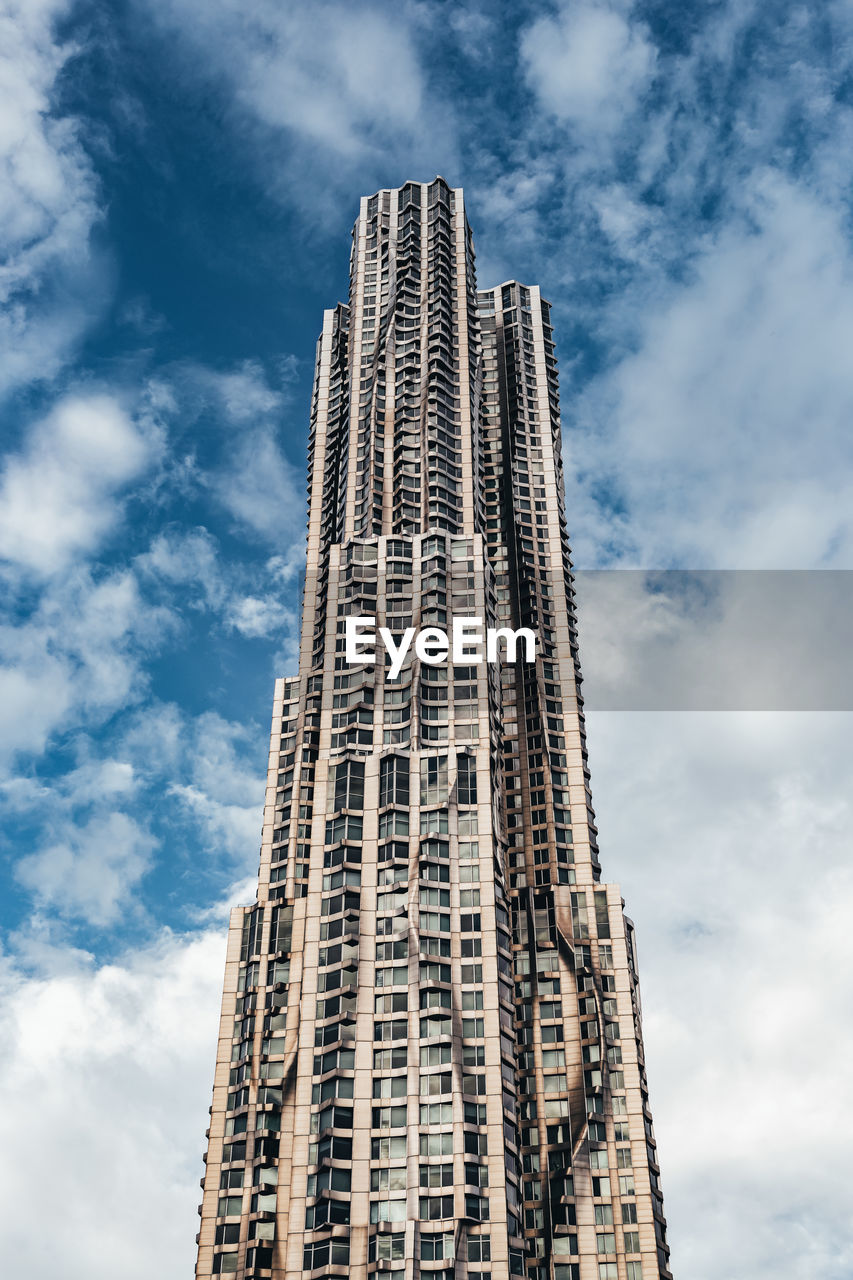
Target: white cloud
x: 219, y: 763
x: 332, y: 74
x: 507, y: 205
x: 137, y: 314
x: 264, y: 491
x: 252, y: 479
x: 243, y: 393
x: 229, y: 828
x: 218, y: 758
x: 106, y: 1075
x: 730, y: 837
x: 59, y: 495
x: 724, y: 437
x: 588, y: 65
x: 152, y: 738
x: 239, y: 893
x: 626, y: 221
x: 90, y: 874
x: 50, y: 282
x: 345, y: 86
x: 35, y: 700
x: 223, y: 794
x: 189, y: 559
x: 476, y: 25
x: 99, y: 780
x: 255, y: 616
x: 76, y: 658
x: 366, y: 63
x: 285, y: 568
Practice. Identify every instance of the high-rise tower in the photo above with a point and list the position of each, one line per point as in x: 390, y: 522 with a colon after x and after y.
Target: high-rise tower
x: 430, y: 1059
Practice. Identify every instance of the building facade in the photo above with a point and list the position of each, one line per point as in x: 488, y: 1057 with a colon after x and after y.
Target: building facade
x: 430, y: 1059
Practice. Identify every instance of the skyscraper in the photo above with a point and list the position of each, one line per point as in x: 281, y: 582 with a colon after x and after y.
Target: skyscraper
x: 430, y: 1059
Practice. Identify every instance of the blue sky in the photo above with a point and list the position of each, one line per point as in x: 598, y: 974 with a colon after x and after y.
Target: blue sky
x: 178, y: 181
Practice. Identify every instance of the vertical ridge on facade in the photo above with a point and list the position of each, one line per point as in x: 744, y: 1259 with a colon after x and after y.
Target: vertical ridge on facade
x: 430, y: 1058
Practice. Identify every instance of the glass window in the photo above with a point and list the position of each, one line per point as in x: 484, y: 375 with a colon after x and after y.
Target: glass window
x: 479, y: 1248
x: 466, y: 779
x: 392, y: 1179
x: 436, y: 1144
x: 434, y: 780
x: 436, y: 1113
x: 394, y: 780
x: 388, y: 1211
x: 434, y: 820
x: 346, y: 785
x: 387, y: 1248
x: 434, y: 1208
x: 434, y: 898
x: 432, y: 1027
x: 436, y: 1175
x: 434, y: 1055
x: 395, y: 822
x: 435, y: 921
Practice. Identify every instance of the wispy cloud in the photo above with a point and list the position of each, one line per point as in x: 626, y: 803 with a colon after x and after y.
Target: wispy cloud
x: 589, y: 65
x: 187, y: 559
x: 59, y: 497
x: 347, y: 87
x: 75, y: 658
x: 260, y: 616
x: 263, y: 491
x: 224, y: 797
x: 249, y: 411
x: 51, y: 280
x: 723, y: 439
x: 92, y: 874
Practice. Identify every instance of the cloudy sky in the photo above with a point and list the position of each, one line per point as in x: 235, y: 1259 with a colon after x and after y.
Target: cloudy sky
x: 178, y: 179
